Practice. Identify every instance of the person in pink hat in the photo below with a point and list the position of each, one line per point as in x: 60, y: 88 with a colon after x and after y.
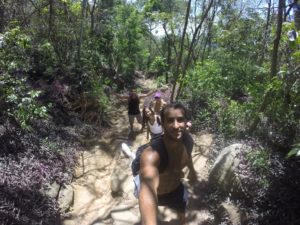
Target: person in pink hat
x: 158, y: 103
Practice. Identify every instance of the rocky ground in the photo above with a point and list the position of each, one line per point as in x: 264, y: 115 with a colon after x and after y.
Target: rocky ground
x: 103, y: 187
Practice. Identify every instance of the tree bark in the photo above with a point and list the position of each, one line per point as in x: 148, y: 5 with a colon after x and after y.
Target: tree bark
x: 92, y: 12
x: 274, y: 62
x: 50, y: 22
x: 179, y: 58
x: 207, y: 44
x: 83, y: 4
x: 268, y: 94
x: 192, y: 45
x: 2, y: 16
x: 266, y: 35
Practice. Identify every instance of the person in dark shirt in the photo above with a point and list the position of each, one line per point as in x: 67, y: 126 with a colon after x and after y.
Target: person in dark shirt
x: 133, y: 103
x: 134, y: 109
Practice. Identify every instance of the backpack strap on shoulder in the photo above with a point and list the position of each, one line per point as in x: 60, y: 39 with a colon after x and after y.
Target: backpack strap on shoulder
x: 159, y: 146
x: 188, y: 142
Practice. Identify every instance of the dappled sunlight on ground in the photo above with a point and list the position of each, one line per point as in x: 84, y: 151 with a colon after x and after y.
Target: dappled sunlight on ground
x: 103, y: 187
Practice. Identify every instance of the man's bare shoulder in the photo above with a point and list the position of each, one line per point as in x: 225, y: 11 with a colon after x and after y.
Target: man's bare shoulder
x: 150, y: 156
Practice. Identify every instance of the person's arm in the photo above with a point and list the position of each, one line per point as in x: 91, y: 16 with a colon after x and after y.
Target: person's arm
x: 146, y: 95
x: 149, y: 177
x: 151, y: 104
x: 148, y: 131
x: 122, y: 97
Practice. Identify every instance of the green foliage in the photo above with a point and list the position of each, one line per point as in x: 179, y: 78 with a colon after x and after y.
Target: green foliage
x: 206, y: 79
x: 21, y: 102
x: 295, y: 151
x: 260, y: 162
x: 15, y: 53
x: 51, y: 146
x: 159, y: 81
x: 153, y: 5
x: 281, y: 111
x: 232, y: 118
x: 98, y: 92
x: 158, y: 65
x: 126, y: 46
x: 44, y: 59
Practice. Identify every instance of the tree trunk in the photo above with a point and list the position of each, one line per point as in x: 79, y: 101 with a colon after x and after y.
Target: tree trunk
x: 92, y: 12
x: 266, y: 35
x: 50, y: 22
x: 192, y: 45
x: 179, y: 58
x: 169, y: 57
x: 274, y: 62
x: 83, y: 4
x: 207, y: 44
x: 2, y: 16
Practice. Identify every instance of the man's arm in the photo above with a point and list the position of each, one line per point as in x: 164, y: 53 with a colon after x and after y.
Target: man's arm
x: 148, y: 131
x: 149, y: 177
x: 146, y: 95
x: 122, y: 97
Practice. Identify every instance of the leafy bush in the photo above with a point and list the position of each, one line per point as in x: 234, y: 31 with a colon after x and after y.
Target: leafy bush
x: 19, y: 101
x: 44, y: 61
x: 15, y: 51
x: 232, y: 120
x: 158, y: 65
x: 214, y: 92
x: 295, y: 151
x: 259, y: 160
x: 29, y: 162
x: 206, y: 79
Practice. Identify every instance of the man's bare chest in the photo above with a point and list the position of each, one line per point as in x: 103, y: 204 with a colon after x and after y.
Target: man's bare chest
x: 177, y: 160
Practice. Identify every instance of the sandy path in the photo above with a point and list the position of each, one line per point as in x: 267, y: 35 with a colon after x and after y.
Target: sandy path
x: 102, y: 168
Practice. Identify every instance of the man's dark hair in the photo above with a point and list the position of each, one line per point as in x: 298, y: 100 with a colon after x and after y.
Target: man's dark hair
x: 173, y: 106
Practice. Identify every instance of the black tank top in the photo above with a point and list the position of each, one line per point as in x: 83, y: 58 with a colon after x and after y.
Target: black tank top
x: 133, y: 106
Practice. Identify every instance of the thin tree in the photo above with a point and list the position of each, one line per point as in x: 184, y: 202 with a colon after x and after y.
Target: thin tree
x: 179, y: 57
x: 274, y: 64
x: 192, y: 45
x: 274, y: 61
x: 83, y: 5
x: 266, y: 34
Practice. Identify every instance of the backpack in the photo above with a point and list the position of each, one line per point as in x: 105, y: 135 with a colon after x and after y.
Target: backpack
x: 158, y: 145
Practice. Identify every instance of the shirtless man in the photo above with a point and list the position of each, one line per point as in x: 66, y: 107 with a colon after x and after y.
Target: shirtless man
x: 165, y: 188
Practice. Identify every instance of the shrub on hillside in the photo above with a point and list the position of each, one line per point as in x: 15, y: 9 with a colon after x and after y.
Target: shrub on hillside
x: 29, y: 163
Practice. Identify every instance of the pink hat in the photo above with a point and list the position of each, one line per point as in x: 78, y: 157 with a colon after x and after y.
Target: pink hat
x: 157, y: 95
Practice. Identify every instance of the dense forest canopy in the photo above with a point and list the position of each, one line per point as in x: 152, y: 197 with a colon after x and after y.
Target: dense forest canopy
x: 237, y: 52
x: 234, y: 63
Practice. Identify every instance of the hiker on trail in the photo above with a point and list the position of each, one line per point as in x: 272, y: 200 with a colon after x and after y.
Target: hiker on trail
x: 133, y: 101
x: 158, y: 103
x: 159, y: 178
x: 153, y: 122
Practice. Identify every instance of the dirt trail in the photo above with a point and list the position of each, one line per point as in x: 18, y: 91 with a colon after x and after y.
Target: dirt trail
x: 103, y: 168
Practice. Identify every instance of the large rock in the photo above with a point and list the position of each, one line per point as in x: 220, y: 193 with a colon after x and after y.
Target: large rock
x: 126, y: 214
x: 223, y: 173
x: 231, y: 213
x: 65, y: 198
x: 52, y: 190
